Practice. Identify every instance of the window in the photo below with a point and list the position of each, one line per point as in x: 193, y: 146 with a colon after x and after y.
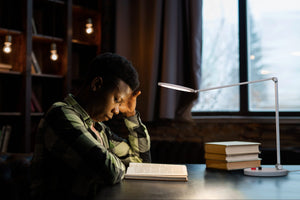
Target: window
x: 272, y: 48
x: 274, y: 45
x: 220, y: 56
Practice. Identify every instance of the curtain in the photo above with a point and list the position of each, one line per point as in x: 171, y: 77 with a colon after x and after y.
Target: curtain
x: 162, y: 38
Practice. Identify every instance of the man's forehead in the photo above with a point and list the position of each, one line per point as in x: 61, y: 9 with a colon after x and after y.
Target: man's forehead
x: 124, y: 89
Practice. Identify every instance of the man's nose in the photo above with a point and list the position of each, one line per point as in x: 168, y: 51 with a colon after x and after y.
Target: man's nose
x: 116, y: 109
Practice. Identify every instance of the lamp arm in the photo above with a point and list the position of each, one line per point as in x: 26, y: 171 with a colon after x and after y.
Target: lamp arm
x: 236, y: 84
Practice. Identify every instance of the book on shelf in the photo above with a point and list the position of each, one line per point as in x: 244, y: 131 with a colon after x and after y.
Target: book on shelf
x: 231, y: 147
x: 32, y: 108
x: 231, y: 157
x: 35, y: 63
x: 224, y: 165
x: 33, y: 71
x: 156, y: 171
x: 34, y: 30
x: 5, y: 67
x: 35, y: 104
x: 4, y: 137
x: 2, y: 131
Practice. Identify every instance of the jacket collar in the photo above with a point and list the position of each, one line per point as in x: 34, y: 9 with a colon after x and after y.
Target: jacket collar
x: 70, y: 100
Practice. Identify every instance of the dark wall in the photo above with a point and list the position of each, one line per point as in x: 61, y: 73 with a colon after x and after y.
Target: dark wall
x: 108, y: 13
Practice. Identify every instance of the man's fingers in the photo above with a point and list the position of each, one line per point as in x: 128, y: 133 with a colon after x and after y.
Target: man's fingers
x: 136, y: 94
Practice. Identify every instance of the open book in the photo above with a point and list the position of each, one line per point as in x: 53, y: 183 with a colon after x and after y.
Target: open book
x: 155, y: 171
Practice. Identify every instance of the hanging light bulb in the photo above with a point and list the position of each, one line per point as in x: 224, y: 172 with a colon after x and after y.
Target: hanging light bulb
x: 7, y: 44
x: 53, y: 52
x: 89, y: 26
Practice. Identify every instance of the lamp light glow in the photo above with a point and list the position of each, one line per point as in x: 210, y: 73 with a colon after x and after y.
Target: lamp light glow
x: 7, y: 44
x: 53, y: 51
x: 270, y: 172
x: 295, y: 53
x: 89, y: 26
x: 264, y: 72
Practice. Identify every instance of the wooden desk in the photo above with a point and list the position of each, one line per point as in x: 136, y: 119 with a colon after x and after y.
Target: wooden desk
x: 210, y: 184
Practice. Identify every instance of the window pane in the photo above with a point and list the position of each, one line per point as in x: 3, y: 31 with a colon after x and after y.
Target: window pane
x: 274, y: 50
x: 220, y: 56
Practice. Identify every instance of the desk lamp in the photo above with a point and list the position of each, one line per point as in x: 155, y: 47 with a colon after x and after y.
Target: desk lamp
x: 277, y: 170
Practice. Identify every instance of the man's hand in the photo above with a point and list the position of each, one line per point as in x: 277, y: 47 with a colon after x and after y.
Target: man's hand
x: 128, y: 107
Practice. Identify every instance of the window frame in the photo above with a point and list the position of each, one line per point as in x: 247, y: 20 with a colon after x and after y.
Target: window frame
x: 243, y: 75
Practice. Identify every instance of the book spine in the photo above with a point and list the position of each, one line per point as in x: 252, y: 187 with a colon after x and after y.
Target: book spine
x: 2, y: 134
x: 6, y: 138
x: 35, y: 63
x: 36, y: 105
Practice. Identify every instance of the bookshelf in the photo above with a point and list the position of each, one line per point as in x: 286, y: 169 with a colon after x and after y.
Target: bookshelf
x: 84, y: 46
x: 29, y: 88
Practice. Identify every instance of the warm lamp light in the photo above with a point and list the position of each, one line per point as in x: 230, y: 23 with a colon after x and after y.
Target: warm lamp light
x: 7, y: 44
x: 53, y: 52
x: 89, y: 26
x: 277, y: 170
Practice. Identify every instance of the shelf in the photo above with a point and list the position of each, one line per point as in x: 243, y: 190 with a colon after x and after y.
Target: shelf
x: 80, y: 15
x: 10, y: 31
x: 45, y: 38
x: 49, y: 18
x: 37, y: 114
x: 10, y: 114
x: 49, y: 68
x: 52, y: 76
x: 75, y: 41
x: 91, y: 11
x: 10, y: 73
x: 12, y: 13
x: 59, y: 2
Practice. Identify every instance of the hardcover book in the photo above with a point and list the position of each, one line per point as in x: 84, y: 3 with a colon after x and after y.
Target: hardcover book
x: 219, y: 164
x: 231, y: 157
x: 5, y: 67
x: 232, y: 147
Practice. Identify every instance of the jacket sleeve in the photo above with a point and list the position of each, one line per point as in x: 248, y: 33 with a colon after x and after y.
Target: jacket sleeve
x: 137, y: 147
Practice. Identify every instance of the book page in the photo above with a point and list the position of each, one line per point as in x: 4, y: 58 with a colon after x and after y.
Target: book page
x: 234, y: 143
x: 154, y: 169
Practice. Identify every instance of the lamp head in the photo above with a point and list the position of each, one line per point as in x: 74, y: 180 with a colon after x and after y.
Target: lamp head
x: 177, y: 87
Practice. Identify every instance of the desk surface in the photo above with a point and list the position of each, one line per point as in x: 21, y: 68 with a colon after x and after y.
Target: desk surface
x: 210, y: 184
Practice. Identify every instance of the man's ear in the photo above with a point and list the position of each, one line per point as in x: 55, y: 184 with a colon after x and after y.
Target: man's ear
x: 96, y: 83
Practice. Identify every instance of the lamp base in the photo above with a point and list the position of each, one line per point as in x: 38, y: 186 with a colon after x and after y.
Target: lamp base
x: 265, y: 172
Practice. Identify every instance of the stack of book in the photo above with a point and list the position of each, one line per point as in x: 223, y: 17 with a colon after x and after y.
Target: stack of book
x: 5, y: 67
x: 232, y: 155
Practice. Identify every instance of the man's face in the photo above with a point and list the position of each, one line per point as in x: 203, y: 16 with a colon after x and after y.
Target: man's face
x: 108, y: 104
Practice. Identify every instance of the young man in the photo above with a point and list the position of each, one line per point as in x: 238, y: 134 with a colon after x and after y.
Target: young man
x: 75, y: 153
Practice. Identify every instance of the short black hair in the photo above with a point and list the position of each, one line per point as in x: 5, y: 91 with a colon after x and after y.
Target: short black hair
x: 112, y: 68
